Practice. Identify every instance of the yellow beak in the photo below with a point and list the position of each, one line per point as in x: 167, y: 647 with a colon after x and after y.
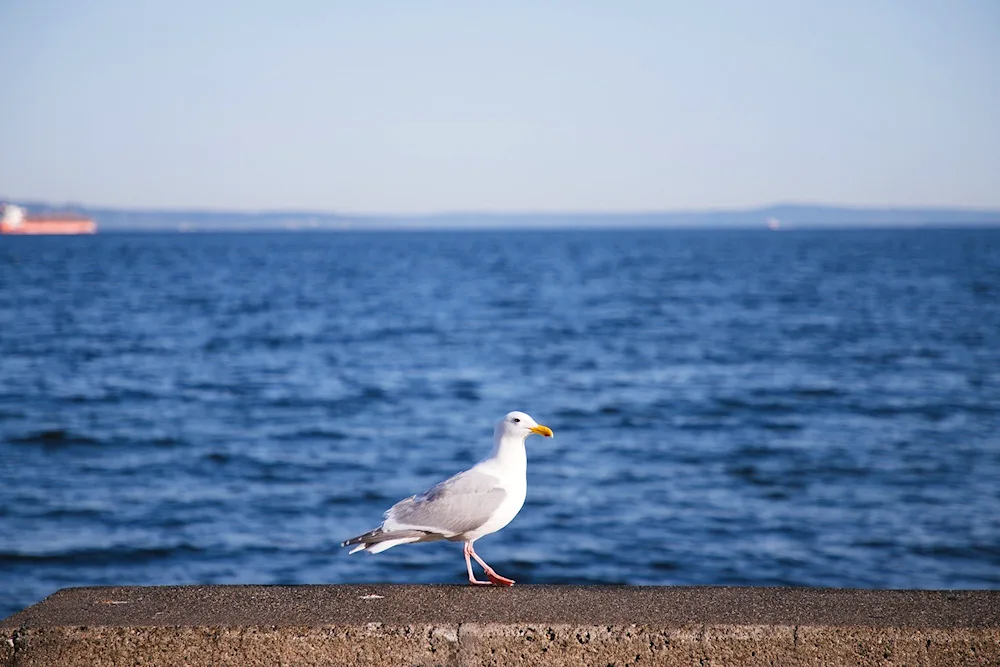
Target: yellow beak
x: 542, y: 430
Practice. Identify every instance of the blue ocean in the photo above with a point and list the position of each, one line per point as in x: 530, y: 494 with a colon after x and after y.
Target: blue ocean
x: 808, y: 408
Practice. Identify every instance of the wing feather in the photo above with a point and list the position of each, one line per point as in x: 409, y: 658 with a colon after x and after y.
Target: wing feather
x: 455, y: 506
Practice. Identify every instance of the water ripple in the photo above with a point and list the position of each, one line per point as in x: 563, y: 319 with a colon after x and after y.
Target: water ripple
x: 729, y: 408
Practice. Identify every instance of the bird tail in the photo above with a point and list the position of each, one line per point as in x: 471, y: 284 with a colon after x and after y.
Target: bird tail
x: 378, y: 540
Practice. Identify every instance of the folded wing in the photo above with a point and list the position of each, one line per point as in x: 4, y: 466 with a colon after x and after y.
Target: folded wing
x: 455, y: 506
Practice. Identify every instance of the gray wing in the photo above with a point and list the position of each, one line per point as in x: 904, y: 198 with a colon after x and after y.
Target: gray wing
x: 456, y: 505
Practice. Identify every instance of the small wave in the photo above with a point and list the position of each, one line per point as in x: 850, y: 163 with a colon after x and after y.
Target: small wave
x: 368, y: 395
x: 372, y: 392
x: 198, y: 390
x: 664, y: 565
x: 278, y: 472
x: 392, y: 333
x: 767, y: 407
x: 572, y: 413
x: 756, y: 452
x: 688, y: 424
x: 314, y: 434
x: 336, y: 501
x: 54, y: 438
x: 974, y: 551
x: 111, y: 397
x: 96, y: 556
x: 762, y: 478
x: 818, y: 392
x: 577, y: 415
x: 296, y: 402
x: 53, y: 513
x: 465, y: 390
x: 932, y: 412
x: 371, y: 495
x: 771, y: 425
x: 217, y: 457
x: 166, y: 441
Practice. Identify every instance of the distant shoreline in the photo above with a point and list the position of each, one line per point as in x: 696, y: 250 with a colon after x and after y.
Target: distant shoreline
x: 778, y: 218
x: 235, y: 231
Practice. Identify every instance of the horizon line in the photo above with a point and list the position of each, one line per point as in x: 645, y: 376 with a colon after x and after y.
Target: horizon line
x: 514, y: 212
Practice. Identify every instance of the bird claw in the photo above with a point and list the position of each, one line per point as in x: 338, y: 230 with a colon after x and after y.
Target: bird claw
x: 494, y: 580
x: 497, y: 580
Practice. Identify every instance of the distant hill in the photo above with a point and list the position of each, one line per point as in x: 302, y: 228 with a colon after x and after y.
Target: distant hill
x: 785, y: 216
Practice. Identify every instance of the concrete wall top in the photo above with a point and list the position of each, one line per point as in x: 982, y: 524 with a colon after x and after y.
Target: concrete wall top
x: 581, y: 605
x: 524, y: 625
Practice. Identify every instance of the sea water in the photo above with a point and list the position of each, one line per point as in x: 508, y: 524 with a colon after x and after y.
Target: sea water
x: 817, y: 408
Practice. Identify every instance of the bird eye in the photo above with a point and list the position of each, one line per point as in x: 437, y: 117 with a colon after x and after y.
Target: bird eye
x: 516, y: 420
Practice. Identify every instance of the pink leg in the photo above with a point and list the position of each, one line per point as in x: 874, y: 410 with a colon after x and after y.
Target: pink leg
x: 468, y: 566
x: 494, y: 578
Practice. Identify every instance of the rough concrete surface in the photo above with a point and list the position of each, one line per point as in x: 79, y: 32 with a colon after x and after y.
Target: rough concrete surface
x: 524, y: 625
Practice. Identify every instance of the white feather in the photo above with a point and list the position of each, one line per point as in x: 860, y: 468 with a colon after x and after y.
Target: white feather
x: 388, y: 544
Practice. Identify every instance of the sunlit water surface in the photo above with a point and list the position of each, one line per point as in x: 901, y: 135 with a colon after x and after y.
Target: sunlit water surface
x: 802, y: 408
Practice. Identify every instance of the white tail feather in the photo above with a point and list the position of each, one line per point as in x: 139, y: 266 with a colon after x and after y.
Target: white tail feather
x: 388, y: 544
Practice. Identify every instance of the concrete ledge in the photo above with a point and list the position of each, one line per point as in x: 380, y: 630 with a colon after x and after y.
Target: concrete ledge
x: 524, y: 625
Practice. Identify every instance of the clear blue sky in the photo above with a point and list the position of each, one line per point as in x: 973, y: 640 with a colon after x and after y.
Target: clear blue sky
x: 411, y: 107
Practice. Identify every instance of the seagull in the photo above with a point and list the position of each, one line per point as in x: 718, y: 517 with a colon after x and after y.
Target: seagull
x: 467, y: 506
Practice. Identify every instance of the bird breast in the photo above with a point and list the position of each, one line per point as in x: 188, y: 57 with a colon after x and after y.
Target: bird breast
x: 505, y: 513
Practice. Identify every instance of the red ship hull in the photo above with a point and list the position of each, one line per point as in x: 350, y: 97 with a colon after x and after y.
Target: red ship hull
x: 51, y: 225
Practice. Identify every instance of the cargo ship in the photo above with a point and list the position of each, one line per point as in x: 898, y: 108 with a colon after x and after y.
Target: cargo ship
x: 15, y: 220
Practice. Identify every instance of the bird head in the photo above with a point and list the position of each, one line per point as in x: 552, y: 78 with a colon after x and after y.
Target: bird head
x: 519, y: 425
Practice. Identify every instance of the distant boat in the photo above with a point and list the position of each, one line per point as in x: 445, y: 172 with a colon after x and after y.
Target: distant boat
x: 773, y: 224
x: 15, y: 220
